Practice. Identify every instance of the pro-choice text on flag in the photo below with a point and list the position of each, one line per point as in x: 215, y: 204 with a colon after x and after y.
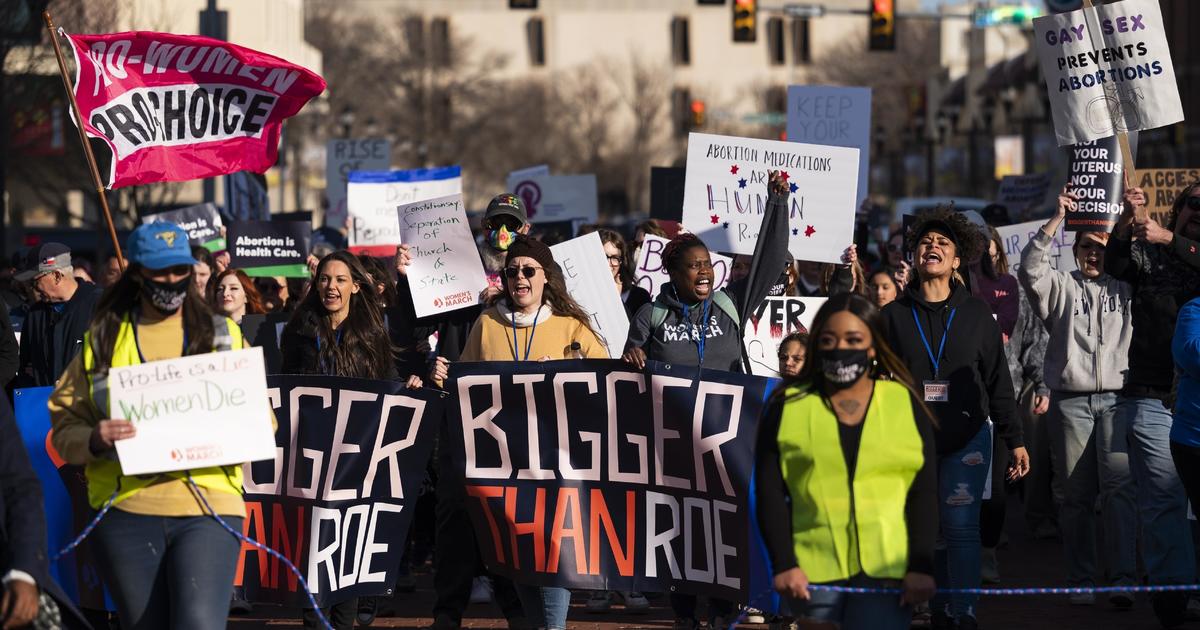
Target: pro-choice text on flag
x: 181, y: 107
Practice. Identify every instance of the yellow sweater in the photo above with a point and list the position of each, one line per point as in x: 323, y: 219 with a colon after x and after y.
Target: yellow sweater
x: 492, y: 339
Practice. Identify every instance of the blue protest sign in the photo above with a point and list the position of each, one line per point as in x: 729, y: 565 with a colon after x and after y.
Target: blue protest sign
x: 833, y: 116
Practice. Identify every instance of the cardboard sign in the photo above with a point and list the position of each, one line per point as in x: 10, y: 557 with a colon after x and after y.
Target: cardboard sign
x: 774, y: 319
x: 666, y: 192
x: 589, y: 280
x: 372, y: 198
x: 193, y: 412
x: 835, y: 116
x: 270, y: 248
x: 558, y: 197
x: 1163, y: 186
x: 1016, y: 237
x: 1108, y: 69
x: 446, y: 273
x: 343, y: 157
x: 202, y: 222
x: 651, y: 274
x: 1096, y: 174
x: 725, y: 196
x: 1023, y: 191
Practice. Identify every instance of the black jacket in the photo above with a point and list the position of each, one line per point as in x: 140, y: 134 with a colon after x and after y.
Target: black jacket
x: 50, y: 339
x: 974, y: 364
x: 301, y: 353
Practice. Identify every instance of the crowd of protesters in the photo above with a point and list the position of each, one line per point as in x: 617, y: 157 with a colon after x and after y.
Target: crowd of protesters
x: 933, y: 383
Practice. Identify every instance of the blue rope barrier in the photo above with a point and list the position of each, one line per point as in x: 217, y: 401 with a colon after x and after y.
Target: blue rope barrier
x: 1044, y: 590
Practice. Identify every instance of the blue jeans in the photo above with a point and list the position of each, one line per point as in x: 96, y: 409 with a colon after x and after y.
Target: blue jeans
x: 961, y: 478
x: 855, y: 612
x: 545, y: 606
x: 1091, y: 458
x: 165, y: 572
x: 1161, y: 499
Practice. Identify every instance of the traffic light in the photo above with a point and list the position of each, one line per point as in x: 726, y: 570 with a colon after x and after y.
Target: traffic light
x: 883, y: 25
x: 745, y: 20
x: 697, y: 114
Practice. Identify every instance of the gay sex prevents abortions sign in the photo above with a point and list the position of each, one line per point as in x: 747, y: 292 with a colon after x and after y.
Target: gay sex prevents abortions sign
x: 565, y: 490
x: 338, y: 495
x: 446, y: 273
x: 372, y: 198
x: 180, y: 107
x: 725, y: 195
x: 193, y: 412
x: 1108, y: 69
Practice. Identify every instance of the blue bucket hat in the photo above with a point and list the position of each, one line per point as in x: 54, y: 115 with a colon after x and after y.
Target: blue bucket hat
x: 159, y: 245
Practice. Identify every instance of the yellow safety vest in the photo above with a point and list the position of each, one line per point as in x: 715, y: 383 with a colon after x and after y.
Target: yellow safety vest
x: 841, y: 528
x: 104, y: 475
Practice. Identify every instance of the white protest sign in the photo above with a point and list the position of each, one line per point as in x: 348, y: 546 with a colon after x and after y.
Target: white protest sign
x: 725, y: 195
x: 774, y: 319
x: 590, y: 282
x: 551, y: 198
x: 446, y: 273
x: 343, y: 157
x: 1108, y: 69
x: 836, y: 116
x: 193, y: 412
x: 1016, y: 237
x: 516, y: 177
x: 651, y: 274
x: 373, y: 196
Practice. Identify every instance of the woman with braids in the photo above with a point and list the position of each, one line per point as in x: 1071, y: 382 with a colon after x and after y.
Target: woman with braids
x: 166, y: 562
x: 953, y: 348
x: 850, y: 419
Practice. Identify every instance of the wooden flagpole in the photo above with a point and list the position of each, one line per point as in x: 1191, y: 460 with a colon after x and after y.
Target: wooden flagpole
x: 83, y: 139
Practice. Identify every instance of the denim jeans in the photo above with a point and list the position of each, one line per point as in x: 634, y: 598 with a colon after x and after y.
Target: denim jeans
x: 1091, y: 459
x: 545, y: 606
x: 855, y: 612
x: 961, y: 477
x: 1167, y: 549
x: 167, y: 572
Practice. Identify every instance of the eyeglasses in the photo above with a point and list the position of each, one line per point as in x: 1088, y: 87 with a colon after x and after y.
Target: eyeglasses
x: 528, y: 272
x: 697, y: 265
x: 614, y: 260
x: 1193, y: 203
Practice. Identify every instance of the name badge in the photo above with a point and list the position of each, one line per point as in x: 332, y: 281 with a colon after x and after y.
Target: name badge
x: 937, y: 391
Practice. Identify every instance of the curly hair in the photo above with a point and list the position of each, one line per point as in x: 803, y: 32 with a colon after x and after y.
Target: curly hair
x: 673, y: 252
x: 971, y: 243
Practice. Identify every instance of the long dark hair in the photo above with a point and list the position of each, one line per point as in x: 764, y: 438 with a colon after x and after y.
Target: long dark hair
x: 363, y: 349
x: 614, y: 237
x: 123, y: 299
x: 556, y: 295
x: 380, y: 275
x: 1180, y: 201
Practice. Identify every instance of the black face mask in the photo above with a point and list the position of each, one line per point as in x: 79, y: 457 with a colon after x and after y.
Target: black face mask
x: 167, y: 297
x: 843, y: 368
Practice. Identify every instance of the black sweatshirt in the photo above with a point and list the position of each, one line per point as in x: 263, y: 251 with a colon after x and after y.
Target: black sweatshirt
x: 974, y: 364
x: 774, y: 500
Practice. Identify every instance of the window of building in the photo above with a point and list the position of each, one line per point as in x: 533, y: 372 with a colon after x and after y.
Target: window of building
x: 681, y: 44
x: 535, y: 30
x: 775, y: 45
x: 801, y: 53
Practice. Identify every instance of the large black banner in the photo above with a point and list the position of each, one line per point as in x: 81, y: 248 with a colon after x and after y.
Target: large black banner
x: 338, y: 498
x: 591, y: 475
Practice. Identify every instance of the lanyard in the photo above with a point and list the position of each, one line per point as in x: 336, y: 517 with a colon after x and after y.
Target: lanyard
x: 941, y: 347
x: 337, y: 341
x: 703, y: 327
x: 138, y: 345
x: 528, y: 341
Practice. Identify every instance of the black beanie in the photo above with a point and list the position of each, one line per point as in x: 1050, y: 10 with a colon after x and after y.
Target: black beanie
x: 530, y: 248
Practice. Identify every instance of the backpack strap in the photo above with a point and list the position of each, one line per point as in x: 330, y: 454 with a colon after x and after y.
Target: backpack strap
x: 722, y: 301
x: 222, y: 340
x: 658, y: 315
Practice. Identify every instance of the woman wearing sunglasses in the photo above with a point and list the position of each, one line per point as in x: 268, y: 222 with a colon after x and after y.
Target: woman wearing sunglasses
x: 536, y: 320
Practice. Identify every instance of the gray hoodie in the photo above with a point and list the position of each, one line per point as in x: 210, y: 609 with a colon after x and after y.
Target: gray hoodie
x: 1090, y: 322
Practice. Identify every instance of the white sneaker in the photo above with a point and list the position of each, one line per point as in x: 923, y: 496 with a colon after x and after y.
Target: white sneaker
x: 1083, y: 599
x: 481, y: 591
x: 754, y: 615
x: 634, y: 601
x: 599, y: 601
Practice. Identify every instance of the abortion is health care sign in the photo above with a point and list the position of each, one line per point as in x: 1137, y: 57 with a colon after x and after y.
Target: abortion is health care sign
x: 193, y: 412
x: 1108, y: 70
x: 372, y: 198
x: 725, y: 195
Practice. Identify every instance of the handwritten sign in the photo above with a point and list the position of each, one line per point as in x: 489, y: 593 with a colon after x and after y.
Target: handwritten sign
x: 558, y: 197
x: 836, y: 116
x: 446, y: 273
x: 1096, y: 174
x: 725, y: 195
x: 774, y: 319
x: 1108, y: 69
x: 1016, y: 237
x: 651, y: 274
x: 343, y: 157
x: 193, y: 412
x: 202, y: 222
x: 373, y: 196
x: 589, y: 280
x: 1163, y: 186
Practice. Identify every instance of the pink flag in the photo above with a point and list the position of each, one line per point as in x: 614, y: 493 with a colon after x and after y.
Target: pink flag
x: 181, y: 107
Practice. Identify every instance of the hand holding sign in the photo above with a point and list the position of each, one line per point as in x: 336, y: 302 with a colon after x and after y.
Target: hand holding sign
x: 442, y: 265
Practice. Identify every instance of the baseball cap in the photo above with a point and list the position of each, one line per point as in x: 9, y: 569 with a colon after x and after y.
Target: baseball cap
x: 42, y: 259
x: 506, y: 204
x: 159, y: 245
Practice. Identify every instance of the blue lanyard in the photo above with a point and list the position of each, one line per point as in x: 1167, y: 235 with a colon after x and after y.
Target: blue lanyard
x: 941, y: 347
x: 703, y: 328
x: 529, y: 341
x: 138, y: 345
x: 337, y: 341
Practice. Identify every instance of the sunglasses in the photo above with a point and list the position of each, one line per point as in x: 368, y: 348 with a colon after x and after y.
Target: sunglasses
x: 528, y: 272
x: 512, y: 224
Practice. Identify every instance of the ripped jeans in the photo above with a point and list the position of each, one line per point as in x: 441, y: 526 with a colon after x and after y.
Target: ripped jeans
x: 961, y: 478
